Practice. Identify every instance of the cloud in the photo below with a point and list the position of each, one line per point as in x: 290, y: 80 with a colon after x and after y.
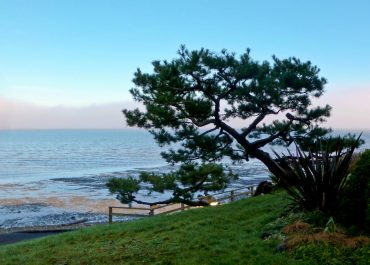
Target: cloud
x: 351, y: 107
x: 351, y: 110
x: 16, y: 114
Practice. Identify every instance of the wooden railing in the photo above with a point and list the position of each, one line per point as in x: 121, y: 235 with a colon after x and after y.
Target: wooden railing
x: 230, y: 196
x: 146, y: 211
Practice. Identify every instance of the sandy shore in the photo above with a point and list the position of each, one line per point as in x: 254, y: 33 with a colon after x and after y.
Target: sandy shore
x: 54, y: 202
x: 75, y: 203
x: 62, y: 200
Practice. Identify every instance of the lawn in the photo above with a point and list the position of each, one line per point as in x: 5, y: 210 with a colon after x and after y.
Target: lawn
x: 227, y: 234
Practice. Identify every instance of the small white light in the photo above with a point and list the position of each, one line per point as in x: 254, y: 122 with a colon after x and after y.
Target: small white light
x: 214, y: 203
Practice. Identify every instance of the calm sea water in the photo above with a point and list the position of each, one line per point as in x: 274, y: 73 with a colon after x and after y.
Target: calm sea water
x: 54, y: 176
x: 37, y: 155
x: 47, y: 154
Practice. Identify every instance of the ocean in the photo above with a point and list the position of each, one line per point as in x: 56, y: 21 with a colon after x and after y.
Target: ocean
x: 50, y: 176
x: 46, y: 154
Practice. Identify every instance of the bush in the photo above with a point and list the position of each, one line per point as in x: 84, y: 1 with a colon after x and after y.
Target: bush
x: 323, y: 253
x: 354, y: 207
x: 316, y: 179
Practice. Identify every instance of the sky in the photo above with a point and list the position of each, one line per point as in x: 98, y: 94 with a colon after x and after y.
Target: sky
x: 69, y: 64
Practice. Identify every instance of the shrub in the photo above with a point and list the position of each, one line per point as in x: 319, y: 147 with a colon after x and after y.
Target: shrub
x: 315, y: 179
x: 327, y: 253
x: 354, y: 206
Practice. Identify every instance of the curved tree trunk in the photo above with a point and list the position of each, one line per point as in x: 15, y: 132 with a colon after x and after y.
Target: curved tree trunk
x: 266, y: 159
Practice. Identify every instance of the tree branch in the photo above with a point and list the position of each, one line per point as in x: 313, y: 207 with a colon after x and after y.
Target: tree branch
x: 201, y: 124
x: 293, y: 118
x: 200, y: 87
x: 254, y: 124
x: 208, y: 131
x: 173, y: 200
x: 263, y: 142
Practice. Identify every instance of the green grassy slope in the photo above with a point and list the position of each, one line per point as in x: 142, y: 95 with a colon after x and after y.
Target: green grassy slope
x: 228, y: 234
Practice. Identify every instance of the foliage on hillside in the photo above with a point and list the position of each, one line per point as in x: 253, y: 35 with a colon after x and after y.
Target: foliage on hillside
x: 355, y: 203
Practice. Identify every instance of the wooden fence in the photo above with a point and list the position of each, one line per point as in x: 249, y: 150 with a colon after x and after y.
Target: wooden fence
x: 233, y: 195
x: 146, y: 211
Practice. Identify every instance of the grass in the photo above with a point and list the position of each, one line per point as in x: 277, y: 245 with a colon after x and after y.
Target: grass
x: 228, y: 234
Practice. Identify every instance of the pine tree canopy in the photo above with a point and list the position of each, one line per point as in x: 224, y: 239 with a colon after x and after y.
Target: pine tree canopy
x: 191, y: 103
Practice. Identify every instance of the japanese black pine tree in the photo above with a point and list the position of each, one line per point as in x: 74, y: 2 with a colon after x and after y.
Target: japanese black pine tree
x: 190, y: 102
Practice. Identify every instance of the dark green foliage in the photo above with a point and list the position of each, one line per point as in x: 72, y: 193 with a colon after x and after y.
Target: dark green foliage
x: 315, y: 180
x: 275, y: 181
x: 316, y: 218
x: 183, y: 183
x: 124, y: 188
x: 329, y: 254
x: 190, y: 101
x: 331, y: 143
x: 355, y: 200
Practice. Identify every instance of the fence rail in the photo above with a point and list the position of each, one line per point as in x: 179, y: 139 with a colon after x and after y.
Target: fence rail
x: 146, y: 211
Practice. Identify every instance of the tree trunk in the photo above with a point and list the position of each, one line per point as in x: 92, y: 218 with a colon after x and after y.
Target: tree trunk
x: 266, y: 159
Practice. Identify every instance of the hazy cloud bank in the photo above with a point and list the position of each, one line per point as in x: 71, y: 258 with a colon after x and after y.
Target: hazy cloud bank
x: 22, y: 115
x: 351, y: 109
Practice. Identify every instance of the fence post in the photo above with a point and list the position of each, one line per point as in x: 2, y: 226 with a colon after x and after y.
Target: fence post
x: 151, y: 210
x: 182, y: 206
x: 232, y: 196
x: 110, y: 217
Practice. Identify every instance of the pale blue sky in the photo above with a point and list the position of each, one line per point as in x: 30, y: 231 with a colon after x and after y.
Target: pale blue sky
x: 78, y: 53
